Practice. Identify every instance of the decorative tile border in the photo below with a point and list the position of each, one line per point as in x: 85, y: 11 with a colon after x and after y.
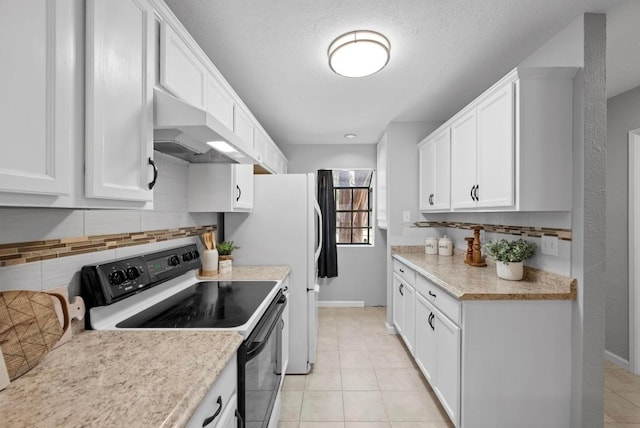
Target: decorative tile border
x: 536, y: 232
x: 26, y: 252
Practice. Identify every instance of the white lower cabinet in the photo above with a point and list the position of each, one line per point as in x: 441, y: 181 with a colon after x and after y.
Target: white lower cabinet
x: 218, y: 407
x: 404, y: 310
x: 491, y: 363
x: 438, y: 355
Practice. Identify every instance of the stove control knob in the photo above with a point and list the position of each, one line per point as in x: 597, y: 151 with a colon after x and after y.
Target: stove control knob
x: 133, y: 273
x: 196, y: 254
x: 117, y: 277
x: 174, y: 261
x: 187, y: 256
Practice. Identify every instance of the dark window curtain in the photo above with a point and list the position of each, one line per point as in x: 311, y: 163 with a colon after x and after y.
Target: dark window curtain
x: 328, y: 261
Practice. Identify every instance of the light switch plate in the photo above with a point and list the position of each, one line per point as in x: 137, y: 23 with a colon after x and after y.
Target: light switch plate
x: 406, y: 216
x: 549, y: 245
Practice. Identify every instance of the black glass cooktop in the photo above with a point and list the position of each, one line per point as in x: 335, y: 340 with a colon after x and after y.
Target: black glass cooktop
x: 209, y: 304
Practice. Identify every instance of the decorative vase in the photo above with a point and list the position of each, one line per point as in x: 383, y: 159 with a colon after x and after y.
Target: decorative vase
x: 209, y: 262
x: 226, y: 263
x: 512, y: 271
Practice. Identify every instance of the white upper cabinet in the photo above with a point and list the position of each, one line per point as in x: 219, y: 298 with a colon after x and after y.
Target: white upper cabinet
x: 119, y: 100
x: 243, y: 128
x: 483, y: 148
x: 511, y: 148
x: 463, y: 160
x: 381, y: 182
x: 220, y: 188
x: 435, y: 165
x: 219, y: 102
x: 495, y: 152
x: 181, y: 72
x: 187, y: 73
x: 37, y: 51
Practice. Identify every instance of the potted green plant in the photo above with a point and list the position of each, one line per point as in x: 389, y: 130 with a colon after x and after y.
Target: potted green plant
x: 509, y: 256
x: 225, y: 248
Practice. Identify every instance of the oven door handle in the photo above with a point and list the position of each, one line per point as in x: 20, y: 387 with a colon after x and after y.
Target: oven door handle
x: 256, y: 347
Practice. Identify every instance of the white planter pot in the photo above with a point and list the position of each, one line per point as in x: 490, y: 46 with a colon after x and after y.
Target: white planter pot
x: 512, y: 271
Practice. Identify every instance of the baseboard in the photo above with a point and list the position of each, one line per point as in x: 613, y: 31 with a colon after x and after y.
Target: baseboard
x: 390, y: 329
x: 618, y: 361
x: 341, y: 304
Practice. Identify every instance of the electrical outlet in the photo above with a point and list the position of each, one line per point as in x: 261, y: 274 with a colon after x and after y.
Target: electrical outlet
x: 406, y: 216
x: 549, y: 245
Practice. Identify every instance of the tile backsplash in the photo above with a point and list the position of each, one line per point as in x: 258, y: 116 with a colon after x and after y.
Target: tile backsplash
x: 28, y: 252
x: 42, y: 248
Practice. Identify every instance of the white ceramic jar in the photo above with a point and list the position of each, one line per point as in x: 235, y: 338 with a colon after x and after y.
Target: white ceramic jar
x: 431, y: 246
x: 445, y: 246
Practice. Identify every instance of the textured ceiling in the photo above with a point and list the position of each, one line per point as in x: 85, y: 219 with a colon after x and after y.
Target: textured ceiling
x: 444, y: 53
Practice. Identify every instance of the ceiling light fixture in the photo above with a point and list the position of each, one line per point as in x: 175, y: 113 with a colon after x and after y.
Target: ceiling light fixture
x: 350, y: 136
x: 359, y: 53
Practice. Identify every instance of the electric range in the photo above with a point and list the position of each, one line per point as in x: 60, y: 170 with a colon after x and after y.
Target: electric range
x: 161, y: 291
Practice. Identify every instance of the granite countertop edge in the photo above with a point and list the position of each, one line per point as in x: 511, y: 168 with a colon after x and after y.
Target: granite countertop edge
x: 541, y: 285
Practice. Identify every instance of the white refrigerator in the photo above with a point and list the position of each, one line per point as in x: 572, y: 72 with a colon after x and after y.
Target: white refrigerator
x: 284, y: 229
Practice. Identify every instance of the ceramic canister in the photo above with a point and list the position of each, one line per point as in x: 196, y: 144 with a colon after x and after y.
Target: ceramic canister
x: 431, y: 246
x: 445, y: 246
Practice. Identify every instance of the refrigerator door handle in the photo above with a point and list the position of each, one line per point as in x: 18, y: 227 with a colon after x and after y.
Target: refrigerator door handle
x: 319, y: 213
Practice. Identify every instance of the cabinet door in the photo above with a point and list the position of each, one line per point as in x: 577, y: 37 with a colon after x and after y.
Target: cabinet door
x: 260, y: 146
x: 463, y: 160
x: 227, y: 418
x: 426, y: 155
x: 398, y: 304
x: 409, y: 332
x: 447, y: 384
x: 119, y: 100
x: 381, y: 183
x: 243, y: 128
x: 496, y: 142
x: 441, y: 199
x: 242, y: 186
x: 425, y: 349
x: 181, y: 72
x: 36, y: 105
x: 219, y: 102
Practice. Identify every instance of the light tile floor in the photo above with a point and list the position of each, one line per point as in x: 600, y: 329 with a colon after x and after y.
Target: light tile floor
x: 362, y: 378
x: 621, y: 398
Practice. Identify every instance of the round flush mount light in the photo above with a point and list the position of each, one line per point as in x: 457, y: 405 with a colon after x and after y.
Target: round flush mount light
x: 350, y: 136
x: 359, y: 53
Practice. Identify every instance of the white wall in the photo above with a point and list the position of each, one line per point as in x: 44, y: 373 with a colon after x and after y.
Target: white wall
x: 623, y: 115
x: 37, y: 224
x: 361, y: 270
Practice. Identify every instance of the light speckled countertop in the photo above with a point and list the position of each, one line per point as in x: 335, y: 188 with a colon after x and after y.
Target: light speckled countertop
x: 120, y: 378
x: 252, y: 273
x: 126, y: 378
x: 465, y: 282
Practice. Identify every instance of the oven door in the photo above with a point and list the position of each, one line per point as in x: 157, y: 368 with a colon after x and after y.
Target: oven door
x: 259, y: 369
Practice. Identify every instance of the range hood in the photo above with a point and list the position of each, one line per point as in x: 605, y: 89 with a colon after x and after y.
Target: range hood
x: 183, y: 130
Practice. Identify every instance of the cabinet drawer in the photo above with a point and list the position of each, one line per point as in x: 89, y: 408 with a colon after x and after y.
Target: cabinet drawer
x: 404, y: 272
x: 444, y: 302
x: 225, y: 388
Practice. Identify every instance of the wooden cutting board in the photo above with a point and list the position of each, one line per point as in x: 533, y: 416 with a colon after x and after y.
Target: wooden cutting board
x: 29, y: 329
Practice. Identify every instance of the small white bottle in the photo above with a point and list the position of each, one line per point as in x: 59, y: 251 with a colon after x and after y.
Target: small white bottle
x: 445, y: 246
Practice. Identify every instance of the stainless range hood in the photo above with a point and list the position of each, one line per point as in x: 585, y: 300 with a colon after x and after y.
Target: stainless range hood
x: 183, y: 130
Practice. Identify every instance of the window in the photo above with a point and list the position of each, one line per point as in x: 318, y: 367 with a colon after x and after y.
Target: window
x: 353, y: 194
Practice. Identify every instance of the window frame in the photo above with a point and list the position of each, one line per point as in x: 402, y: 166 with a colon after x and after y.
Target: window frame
x: 370, y: 228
